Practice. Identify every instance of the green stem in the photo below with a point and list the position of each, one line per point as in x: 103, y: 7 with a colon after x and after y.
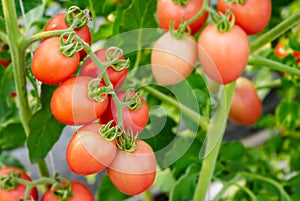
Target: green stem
x: 261, y: 61
x: 213, y: 142
x: 147, y: 196
x: 277, y: 31
x: 273, y: 84
x: 3, y: 37
x: 92, y: 10
x: 277, y: 185
x: 203, y: 122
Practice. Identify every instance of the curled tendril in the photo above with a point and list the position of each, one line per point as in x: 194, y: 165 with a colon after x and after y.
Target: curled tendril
x: 127, y: 141
x: 133, y: 101
x: 182, y: 32
x: 63, y: 192
x: 69, y: 44
x: 77, y: 18
x: 9, y: 182
x: 96, y: 92
x: 109, y: 132
x: 113, y: 55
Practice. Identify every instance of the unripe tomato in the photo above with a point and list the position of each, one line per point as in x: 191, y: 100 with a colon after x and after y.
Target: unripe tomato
x: 95, y: 152
x: 79, y: 193
x: 19, y: 192
x: 246, y: 107
x: 58, y: 23
x: 223, y: 55
x: 71, y: 105
x: 172, y: 60
x: 168, y: 11
x: 252, y: 16
x: 50, y: 66
x: 133, y: 173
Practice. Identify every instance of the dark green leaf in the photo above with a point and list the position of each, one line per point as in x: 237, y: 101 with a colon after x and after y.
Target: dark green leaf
x: 108, y: 192
x: 294, y: 43
x: 287, y: 115
x: 9, y: 160
x: 45, y: 130
x: 12, y: 136
x: 295, y: 160
x: 233, y: 151
x: 27, y: 4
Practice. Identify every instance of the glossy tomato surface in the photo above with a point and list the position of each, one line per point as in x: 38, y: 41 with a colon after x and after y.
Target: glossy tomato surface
x: 71, y: 105
x: 168, y: 11
x: 79, y: 193
x: 252, y: 16
x: 133, y: 173
x: 50, y: 66
x: 223, y: 55
x: 58, y: 23
x: 88, y: 152
x: 172, y: 60
x: 136, y: 119
x: 19, y: 192
x: 89, y: 68
x: 246, y: 107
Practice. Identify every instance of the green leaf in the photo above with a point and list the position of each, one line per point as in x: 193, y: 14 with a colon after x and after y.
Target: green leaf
x: 287, y: 115
x: 12, y: 136
x: 9, y: 160
x: 164, y: 180
x: 27, y: 4
x: 45, y: 130
x: 294, y: 43
x: 185, y: 186
x: 108, y: 192
x: 232, y: 151
x: 295, y: 160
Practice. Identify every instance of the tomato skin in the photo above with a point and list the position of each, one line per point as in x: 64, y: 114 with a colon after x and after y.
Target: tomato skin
x: 19, y: 191
x: 246, y: 107
x: 168, y: 11
x: 50, y: 66
x: 89, y: 68
x: 71, y: 105
x: 88, y: 152
x: 280, y: 51
x: 172, y: 60
x: 223, y: 55
x: 132, y: 119
x: 133, y: 173
x: 252, y: 16
x: 58, y: 23
x: 79, y: 193
x: 297, y: 56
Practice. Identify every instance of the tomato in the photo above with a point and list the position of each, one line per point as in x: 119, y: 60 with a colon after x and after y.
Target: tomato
x: 297, y: 56
x: 280, y: 51
x: 89, y: 68
x: 172, y: 60
x: 58, y: 23
x: 71, y: 105
x: 133, y: 173
x: 79, y: 193
x: 168, y: 11
x: 252, y: 16
x: 246, y: 107
x: 95, y: 152
x: 19, y: 192
x: 50, y: 66
x: 223, y: 55
x: 136, y: 119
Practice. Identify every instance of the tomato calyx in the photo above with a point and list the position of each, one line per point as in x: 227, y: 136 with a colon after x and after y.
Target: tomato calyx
x: 223, y: 22
x: 70, y: 43
x: 113, y: 55
x: 235, y: 1
x: 62, y: 190
x: 181, y: 2
x: 77, y: 18
x: 133, y: 101
x: 98, y: 92
x: 9, y: 181
x: 127, y: 141
x: 108, y: 132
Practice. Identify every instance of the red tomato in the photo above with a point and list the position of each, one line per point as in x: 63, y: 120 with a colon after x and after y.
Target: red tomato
x: 280, y: 51
x: 19, y: 192
x: 58, y: 23
x: 297, y: 55
x: 168, y: 11
x: 71, y: 105
x: 50, y: 66
x: 223, y: 55
x: 172, y: 60
x: 246, y: 107
x: 89, y: 68
x: 133, y: 173
x: 79, y: 193
x: 252, y: 16
x: 95, y: 153
x: 132, y: 119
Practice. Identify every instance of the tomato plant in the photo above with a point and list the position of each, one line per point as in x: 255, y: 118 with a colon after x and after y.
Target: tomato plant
x: 3, y: 61
x: 246, y: 106
x: 17, y: 191
x: 251, y: 15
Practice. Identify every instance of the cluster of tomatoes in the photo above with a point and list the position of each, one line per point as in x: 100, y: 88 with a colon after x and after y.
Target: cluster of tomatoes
x: 222, y: 47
